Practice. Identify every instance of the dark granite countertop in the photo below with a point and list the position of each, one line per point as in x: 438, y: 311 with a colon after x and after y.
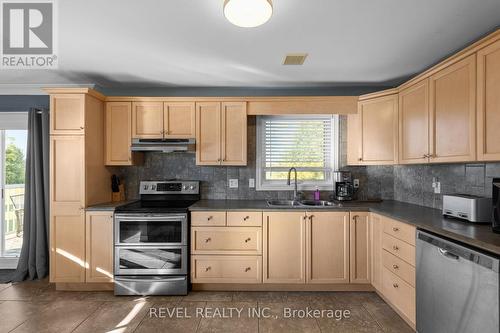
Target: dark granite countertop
x: 478, y: 235
x: 108, y: 206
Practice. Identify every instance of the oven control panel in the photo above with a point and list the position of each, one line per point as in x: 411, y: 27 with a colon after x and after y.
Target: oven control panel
x: 169, y: 187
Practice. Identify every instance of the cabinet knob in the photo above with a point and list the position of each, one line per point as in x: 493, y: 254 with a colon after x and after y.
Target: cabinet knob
x: 395, y: 266
x: 247, y: 269
x: 248, y: 240
x: 210, y: 218
x: 426, y: 156
x: 355, y: 218
x: 395, y: 285
x: 81, y: 127
x: 208, y: 268
x: 208, y: 240
x: 395, y: 248
x: 360, y: 159
x: 246, y: 218
x: 311, y: 217
x: 395, y: 229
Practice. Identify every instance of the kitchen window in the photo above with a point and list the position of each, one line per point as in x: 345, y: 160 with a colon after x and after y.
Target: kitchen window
x: 308, y: 143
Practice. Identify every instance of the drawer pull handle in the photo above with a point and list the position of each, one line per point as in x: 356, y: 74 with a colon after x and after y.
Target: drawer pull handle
x: 395, y: 266
x: 248, y: 240
x: 209, y: 218
x: 208, y: 268
x: 395, y: 285
x: 246, y: 218
x: 395, y: 229
x: 395, y: 248
x: 208, y: 240
x: 247, y: 269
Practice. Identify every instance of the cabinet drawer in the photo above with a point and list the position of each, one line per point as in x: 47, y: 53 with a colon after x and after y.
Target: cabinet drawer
x: 399, y: 248
x: 399, y: 267
x: 244, y: 219
x: 208, y: 218
x: 226, y: 269
x: 226, y: 240
x: 399, y: 293
x: 400, y: 230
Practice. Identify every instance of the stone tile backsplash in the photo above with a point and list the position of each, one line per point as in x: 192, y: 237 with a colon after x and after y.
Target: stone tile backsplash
x: 408, y: 183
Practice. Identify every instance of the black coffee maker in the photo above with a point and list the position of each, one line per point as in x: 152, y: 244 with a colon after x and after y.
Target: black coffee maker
x: 496, y: 205
x: 343, y: 186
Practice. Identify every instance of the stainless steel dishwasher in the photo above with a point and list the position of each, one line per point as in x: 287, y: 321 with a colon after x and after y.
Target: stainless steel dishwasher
x: 457, y: 287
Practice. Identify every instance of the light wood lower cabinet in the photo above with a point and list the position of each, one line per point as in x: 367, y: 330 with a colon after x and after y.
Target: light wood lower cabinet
x: 226, y: 240
x: 327, y: 244
x: 226, y: 269
x: 400, y: 294
x: 360, y: 261
x: 284, y: 247
x: 399, y: 248
x: 99, y: 246
x: 376, y: 230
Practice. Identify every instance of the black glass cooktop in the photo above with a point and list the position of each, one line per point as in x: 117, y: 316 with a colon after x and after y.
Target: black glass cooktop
x: 158, y: 206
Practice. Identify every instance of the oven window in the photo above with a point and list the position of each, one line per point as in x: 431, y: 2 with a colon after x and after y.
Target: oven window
x: 151, y: 258
x: 150, y: 232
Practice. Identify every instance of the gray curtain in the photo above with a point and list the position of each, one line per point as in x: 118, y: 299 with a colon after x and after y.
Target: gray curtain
x: 34, y: 258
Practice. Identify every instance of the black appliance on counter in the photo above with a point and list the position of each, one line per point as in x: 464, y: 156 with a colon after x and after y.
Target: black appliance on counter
x: 151, y: 238
x: 343, y: 187
x: 496, y: 205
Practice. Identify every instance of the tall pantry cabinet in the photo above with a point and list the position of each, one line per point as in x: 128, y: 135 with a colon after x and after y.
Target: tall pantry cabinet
x: 78, y: 177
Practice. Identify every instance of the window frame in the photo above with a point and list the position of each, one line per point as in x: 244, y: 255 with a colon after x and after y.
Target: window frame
x: 263, y: 185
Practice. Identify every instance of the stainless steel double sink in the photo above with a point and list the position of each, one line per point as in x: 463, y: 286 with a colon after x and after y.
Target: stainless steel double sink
x: 301, y: 204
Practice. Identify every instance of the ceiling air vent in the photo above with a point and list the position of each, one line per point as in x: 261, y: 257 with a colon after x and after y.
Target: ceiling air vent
x: 295, y: 59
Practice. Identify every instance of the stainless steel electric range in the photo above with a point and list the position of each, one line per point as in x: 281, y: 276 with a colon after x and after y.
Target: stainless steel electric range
x: 151, y: 239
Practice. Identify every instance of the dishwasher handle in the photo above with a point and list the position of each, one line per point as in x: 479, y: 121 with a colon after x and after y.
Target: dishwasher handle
x: 448, y: 254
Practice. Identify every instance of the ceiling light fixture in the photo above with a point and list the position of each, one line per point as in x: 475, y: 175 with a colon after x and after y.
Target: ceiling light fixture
x: 248, y: 13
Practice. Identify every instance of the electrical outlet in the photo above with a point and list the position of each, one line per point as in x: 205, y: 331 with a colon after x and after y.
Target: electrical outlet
x: 233, y: 183
x: 436, y: 185
x: 355, y: 183
x: 251, y: 183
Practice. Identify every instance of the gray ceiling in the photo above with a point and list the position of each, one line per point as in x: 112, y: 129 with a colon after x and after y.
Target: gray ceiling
x: 161, y: 43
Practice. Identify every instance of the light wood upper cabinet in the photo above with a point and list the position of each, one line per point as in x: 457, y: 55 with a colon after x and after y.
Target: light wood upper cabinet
x: 378, y: 121
x: 327, y: 244
x: 208, y: 133
x: 118, y: 133
x: 284, y: 247
x: 353, y: 140
x: 67, y: 114
x: 376, y: 230
x: 147, y: 120
x: 221, y: 133
x: 360, y: 247
x: 453, y: 112
x: 234, y: 133
x: 488, y: 103
x: 99, y: 246
x: 179, y: 120
x: 414, y: 123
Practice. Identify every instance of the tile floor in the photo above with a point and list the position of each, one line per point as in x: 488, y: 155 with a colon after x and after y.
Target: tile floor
x: 37, y: 307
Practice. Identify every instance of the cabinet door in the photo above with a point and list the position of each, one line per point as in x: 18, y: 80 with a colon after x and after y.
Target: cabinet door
x: 118, y: 133
x: 234, y: 133
x: 360, y: 247
x: 208, y: 133
x: 453, y: 112
x: 414, y: 123
x: 67, y: 220
x: 488, y: 103
x: 67, y: 114
x: 327, y: 245
x: 376, y: 250
x: 179, y: 120
x: 353, y: 140
x: 147, y: 120
x: 378, y: 121
x: 284, y: 247
x: 99, y: 246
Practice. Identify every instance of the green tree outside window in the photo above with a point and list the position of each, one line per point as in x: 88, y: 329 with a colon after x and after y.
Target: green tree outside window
x: 14, y: 166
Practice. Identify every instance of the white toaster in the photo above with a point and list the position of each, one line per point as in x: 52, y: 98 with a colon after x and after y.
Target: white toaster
x: 468, y: 207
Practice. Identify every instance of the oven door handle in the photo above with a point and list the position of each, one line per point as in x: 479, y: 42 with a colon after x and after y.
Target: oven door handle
x: 143, y: 218
x: 118, y: 278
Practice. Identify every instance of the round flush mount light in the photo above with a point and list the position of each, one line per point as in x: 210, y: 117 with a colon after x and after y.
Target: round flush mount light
x: 248, y: 13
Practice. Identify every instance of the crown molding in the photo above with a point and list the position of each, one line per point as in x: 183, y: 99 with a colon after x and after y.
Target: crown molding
x: 36, y: 89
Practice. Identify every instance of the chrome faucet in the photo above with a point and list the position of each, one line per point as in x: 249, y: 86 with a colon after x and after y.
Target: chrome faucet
x: 295, y: 192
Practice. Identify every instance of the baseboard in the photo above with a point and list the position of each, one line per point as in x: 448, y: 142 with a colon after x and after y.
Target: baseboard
x: 84, y: 286
x: 280, y: 287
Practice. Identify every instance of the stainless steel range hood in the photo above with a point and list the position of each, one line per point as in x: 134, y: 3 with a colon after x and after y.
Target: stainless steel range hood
x: 163, y: 145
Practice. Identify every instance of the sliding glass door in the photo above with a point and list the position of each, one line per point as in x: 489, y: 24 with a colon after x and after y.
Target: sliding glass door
x: 13, y: 140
